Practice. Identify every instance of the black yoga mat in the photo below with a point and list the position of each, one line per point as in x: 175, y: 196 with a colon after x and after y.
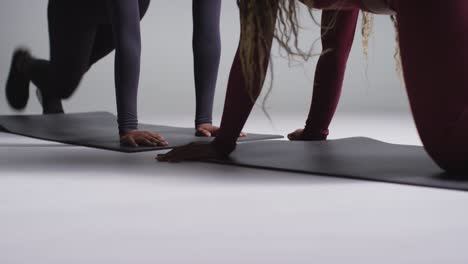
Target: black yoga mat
x: 356, y: 158
x: 97, y: 130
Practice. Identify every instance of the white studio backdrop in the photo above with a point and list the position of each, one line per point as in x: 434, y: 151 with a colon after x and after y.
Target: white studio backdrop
x: 167, y: 86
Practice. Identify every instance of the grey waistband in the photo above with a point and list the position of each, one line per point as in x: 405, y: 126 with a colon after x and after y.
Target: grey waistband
x: 379, y: 7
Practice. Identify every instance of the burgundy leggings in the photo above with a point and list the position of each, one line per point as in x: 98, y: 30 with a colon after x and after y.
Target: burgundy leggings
x: 433, y: 43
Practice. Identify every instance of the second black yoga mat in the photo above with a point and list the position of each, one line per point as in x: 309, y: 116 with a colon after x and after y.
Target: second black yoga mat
x: 356, y: 158
x: 97, y: 130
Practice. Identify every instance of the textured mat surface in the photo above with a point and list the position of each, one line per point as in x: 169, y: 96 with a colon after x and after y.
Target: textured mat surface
x: 97, y: 130
x: 357, y: 158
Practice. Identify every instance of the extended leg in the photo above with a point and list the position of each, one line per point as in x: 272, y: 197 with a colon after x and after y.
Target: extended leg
x: 71, y: 43
x: 330, y: 71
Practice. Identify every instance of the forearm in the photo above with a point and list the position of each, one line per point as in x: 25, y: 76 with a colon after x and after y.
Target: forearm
x: 242, y: 91
x: 206, y: 55
x: 239, y: 102
x: 126, y: 26
x: 237, y: 107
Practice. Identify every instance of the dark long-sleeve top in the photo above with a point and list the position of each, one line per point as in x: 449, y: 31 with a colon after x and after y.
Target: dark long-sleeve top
x: 125, y: 18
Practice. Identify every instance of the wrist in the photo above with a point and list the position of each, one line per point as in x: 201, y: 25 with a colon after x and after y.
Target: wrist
x: 197, y: 125
x: 200, y: 124
x: 126, y: 124
x: 223, y: 148
x: 123, y: 132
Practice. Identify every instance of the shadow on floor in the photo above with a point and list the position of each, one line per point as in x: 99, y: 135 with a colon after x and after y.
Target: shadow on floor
x: 40, y: 159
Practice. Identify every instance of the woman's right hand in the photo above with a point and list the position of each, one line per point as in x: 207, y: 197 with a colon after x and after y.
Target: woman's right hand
x: 138, y: 138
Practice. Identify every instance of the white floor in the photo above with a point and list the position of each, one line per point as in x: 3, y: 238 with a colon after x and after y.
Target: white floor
x: 63, y: 204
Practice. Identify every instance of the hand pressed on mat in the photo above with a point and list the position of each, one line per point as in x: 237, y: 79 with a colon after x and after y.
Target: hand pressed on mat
x: 137, y: 138
x: 208, y: 130
x: 191, y: 152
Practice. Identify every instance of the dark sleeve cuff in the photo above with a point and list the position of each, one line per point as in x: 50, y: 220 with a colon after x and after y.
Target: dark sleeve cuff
x: 200, y: 121
x: 125, y: 127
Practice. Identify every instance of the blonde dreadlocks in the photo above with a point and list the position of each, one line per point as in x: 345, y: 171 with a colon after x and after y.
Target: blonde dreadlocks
x: 264, y: 20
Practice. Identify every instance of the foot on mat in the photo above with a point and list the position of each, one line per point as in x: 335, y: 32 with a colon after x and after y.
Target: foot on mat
x: 303, y: 135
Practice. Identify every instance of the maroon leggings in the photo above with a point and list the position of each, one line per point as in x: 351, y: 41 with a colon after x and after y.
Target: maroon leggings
x: 433, y: 43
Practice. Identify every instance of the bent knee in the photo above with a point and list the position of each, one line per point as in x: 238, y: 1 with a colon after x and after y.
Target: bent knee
x: 448, y: 155
x: 444, y: 140
x: 67, y: 84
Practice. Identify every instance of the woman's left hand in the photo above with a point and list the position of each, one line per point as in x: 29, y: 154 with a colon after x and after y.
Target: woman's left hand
x: 191, y: 152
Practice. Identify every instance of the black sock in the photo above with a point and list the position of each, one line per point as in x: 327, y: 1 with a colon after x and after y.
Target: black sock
x: 17, y: 86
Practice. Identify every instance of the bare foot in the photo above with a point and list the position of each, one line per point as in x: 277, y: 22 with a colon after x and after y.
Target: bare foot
x: 300, y: 135
x: 208, y: 130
